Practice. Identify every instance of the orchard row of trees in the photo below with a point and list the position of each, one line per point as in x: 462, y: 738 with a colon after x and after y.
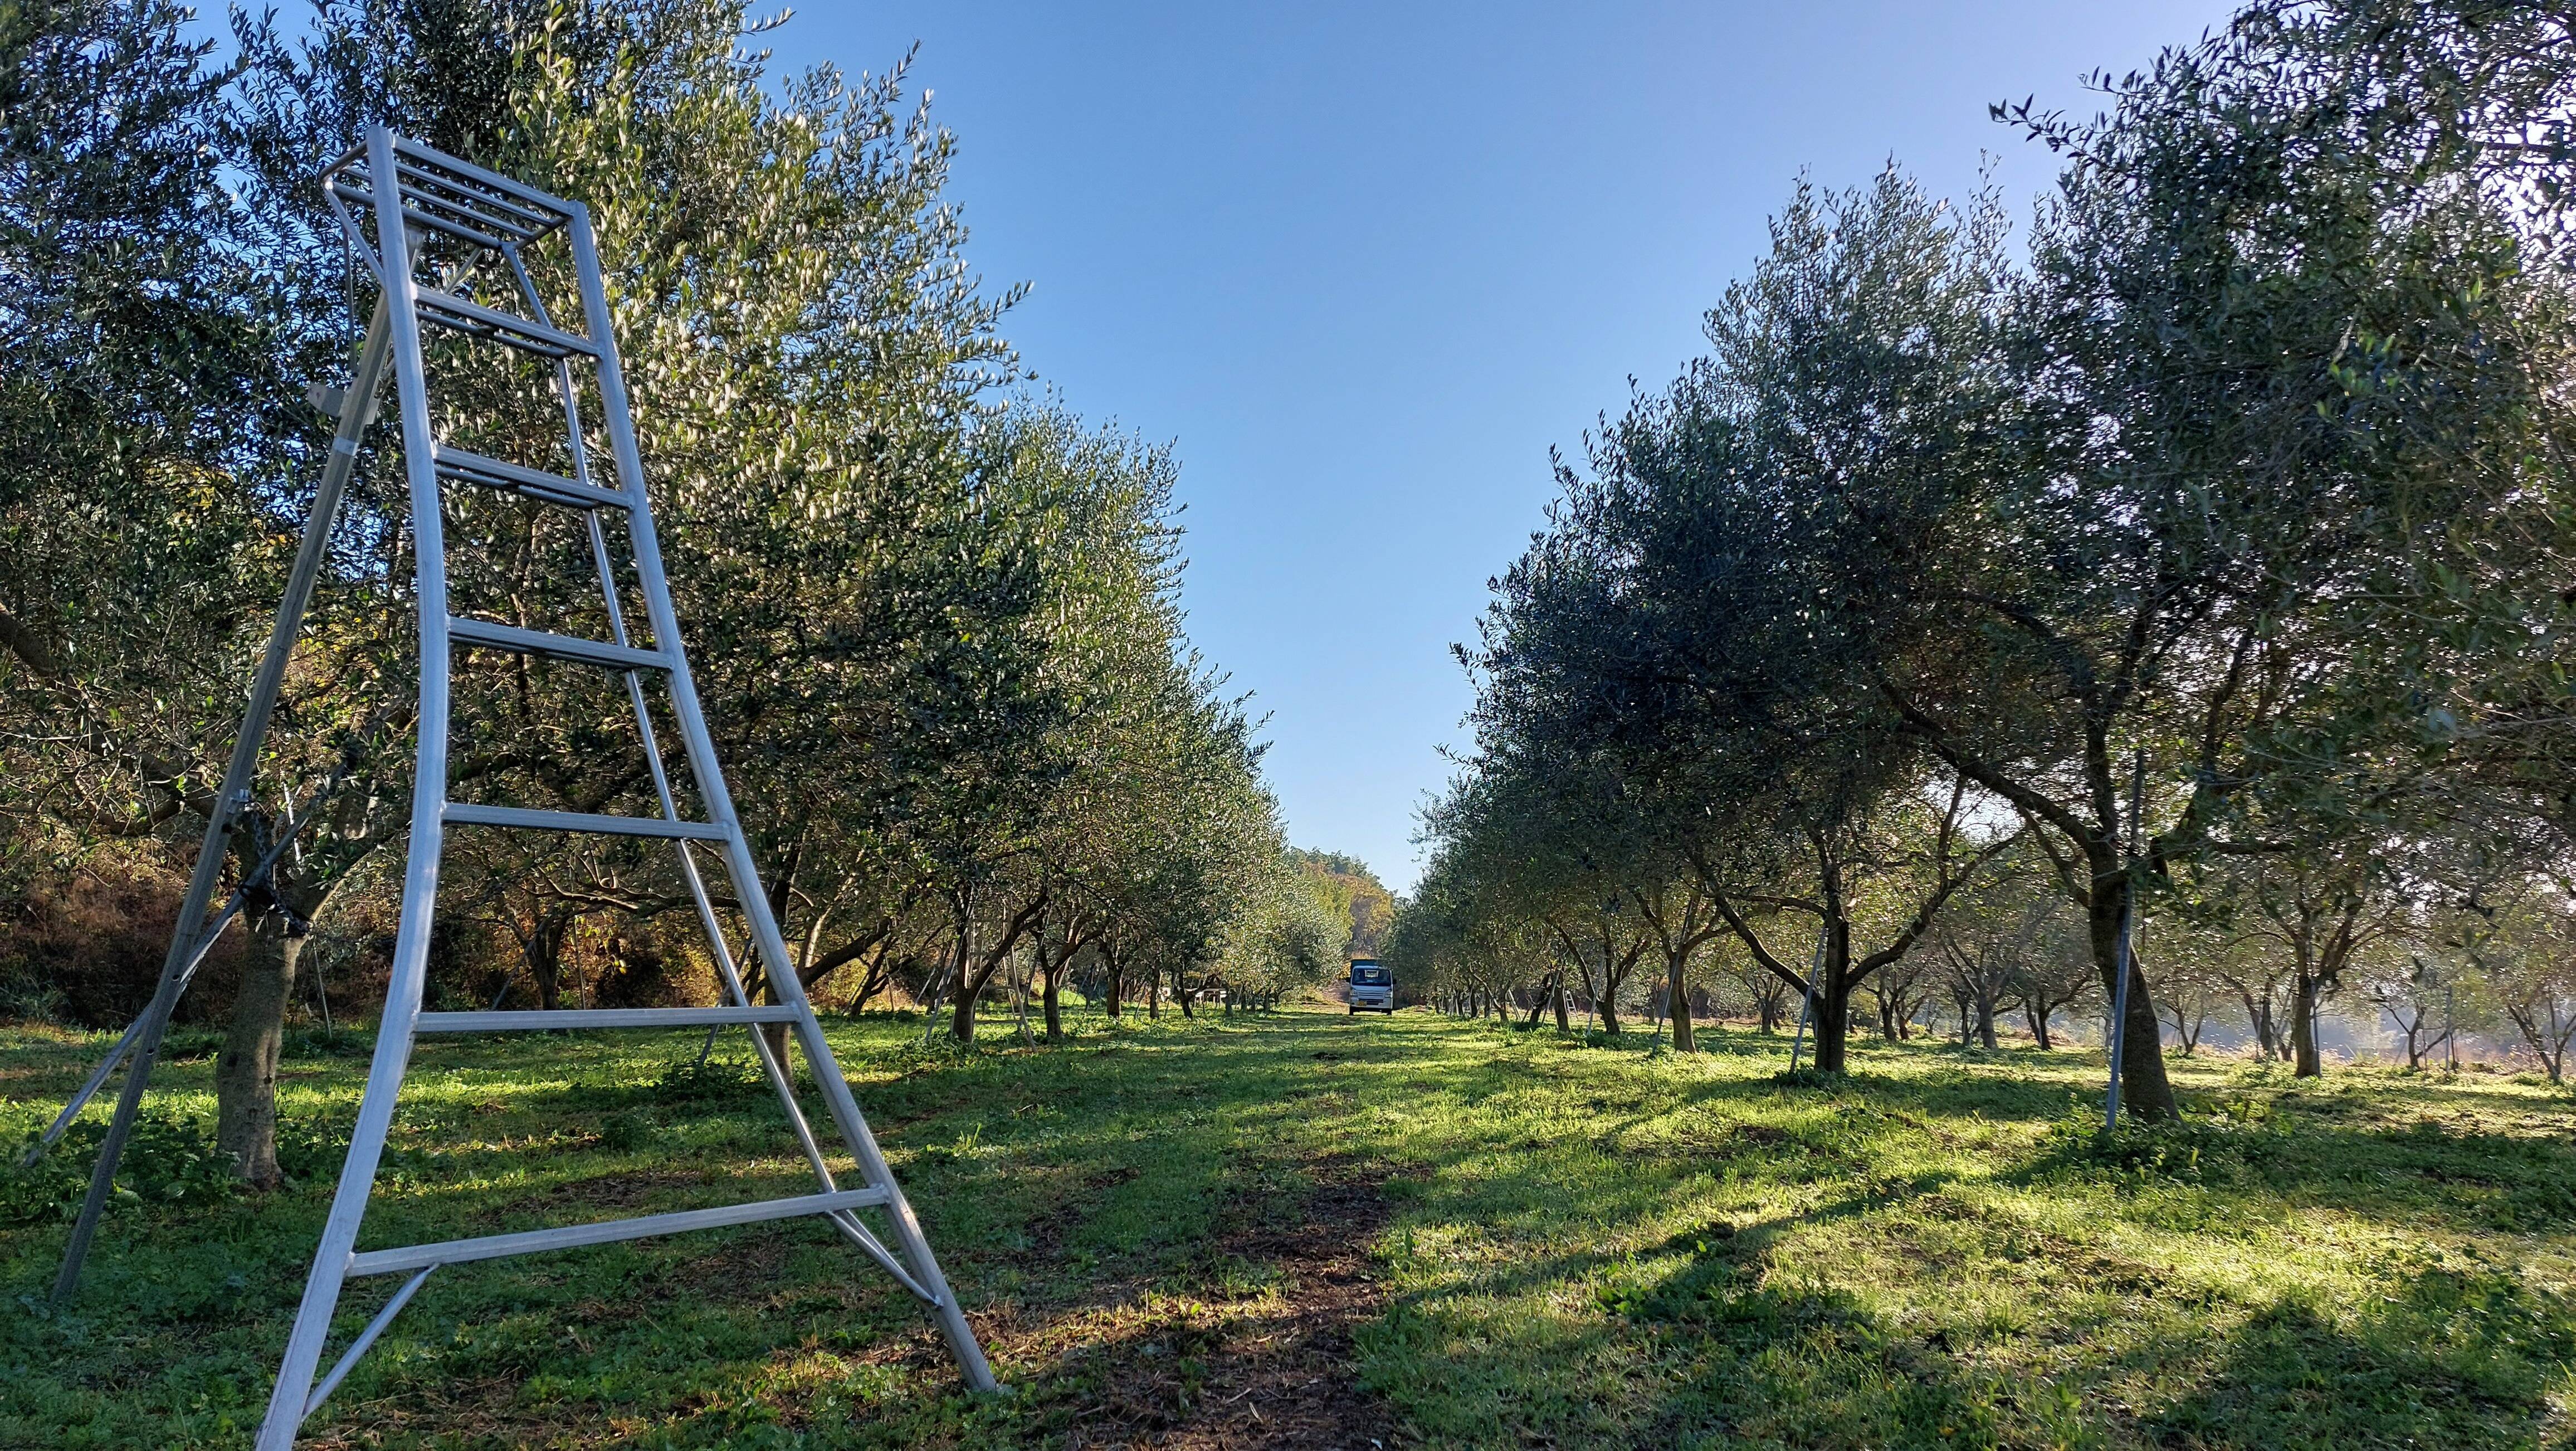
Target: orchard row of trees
x: 2417, y: 967
x: 934, y: 616
x: 2196, y: 561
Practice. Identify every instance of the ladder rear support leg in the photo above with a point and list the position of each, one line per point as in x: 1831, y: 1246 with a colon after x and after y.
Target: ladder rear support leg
x: 357, y: 407
x: 780, y: 1081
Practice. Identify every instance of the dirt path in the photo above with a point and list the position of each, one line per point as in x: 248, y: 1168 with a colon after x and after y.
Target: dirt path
x: 1273, y: 1368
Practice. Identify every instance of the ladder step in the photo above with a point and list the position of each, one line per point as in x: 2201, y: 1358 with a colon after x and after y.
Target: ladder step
x: 573, y: 1236
x: 449, y: 310
x: 493, y: 473
x: 542, y: 1021
x: 467, y: 630
x: 467, y: 814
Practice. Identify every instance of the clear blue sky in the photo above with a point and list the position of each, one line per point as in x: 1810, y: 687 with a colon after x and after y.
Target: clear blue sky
x: 1366, y: 264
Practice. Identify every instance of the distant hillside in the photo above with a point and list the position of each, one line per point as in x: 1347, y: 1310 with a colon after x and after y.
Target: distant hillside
x: 1350, y: 891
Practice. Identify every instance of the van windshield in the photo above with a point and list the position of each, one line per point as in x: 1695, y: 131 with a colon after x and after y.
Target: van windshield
x: 1373, y: 976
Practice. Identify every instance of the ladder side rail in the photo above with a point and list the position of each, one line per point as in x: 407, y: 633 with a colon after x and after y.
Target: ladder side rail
x: 420, y: 870
x: 356, y: 410
x: 844, y: 1108
x: 776, y: 1072
x: 779, y: 1079
x: 635, y: 698
x: 700, y: 749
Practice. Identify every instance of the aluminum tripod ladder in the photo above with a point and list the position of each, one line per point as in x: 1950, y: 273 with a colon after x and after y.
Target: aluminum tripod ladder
x: 431, y: 209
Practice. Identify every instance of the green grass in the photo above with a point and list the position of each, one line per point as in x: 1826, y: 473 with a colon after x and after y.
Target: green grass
x: 1525, y: 1241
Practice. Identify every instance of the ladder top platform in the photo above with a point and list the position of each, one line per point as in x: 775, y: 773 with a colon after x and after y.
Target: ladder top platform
x: 454, y: 196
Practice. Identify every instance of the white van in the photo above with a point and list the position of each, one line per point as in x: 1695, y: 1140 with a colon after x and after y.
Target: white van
x: 1372, y: 986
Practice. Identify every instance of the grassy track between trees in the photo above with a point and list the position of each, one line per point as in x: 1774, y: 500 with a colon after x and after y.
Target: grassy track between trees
x: 1309, y: 1230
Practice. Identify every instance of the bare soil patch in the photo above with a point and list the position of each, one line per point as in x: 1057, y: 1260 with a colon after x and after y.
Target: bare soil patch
x: 1262, y: 1358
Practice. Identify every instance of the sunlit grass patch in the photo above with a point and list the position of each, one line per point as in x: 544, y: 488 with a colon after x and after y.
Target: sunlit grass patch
x: 1937, y: 1252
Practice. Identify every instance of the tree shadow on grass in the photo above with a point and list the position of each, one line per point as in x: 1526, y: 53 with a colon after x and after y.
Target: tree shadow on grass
x: 1946, y: 1093
x: 2459, y: 1357
x: 1704, y: 1339
x: 1740, y: 1354
x: 1745, y: 1351
x: 2414, y: 1178
x: 2317, y: 1146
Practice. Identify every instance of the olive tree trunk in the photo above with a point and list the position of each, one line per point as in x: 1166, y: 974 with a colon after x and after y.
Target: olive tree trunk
x: 1831, y: 1019
x: 246, y: 1069
x: 1679, y: 993
x: 2145, y: 1092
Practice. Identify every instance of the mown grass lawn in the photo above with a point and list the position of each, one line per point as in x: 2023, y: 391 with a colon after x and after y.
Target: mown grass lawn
x: 1313, y: 1230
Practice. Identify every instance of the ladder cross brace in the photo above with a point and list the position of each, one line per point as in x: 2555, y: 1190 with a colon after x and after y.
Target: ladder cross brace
x: 607, y: 1231
x: 561, y: 1019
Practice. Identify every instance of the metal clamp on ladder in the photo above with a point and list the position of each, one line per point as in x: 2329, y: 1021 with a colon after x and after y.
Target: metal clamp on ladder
x: 422, y: 202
